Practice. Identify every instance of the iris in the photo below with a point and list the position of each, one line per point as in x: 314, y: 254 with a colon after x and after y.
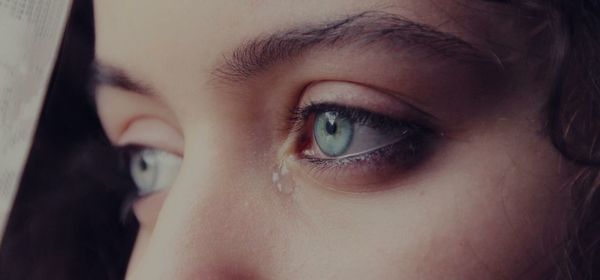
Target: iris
x: 152, y: 169
x: 333, y: 133
x: 143, y: 166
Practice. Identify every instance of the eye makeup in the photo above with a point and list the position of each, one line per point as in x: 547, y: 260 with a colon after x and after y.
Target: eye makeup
x: 354, y: 149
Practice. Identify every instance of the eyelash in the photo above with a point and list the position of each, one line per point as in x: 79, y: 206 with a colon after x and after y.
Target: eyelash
x: 405, y: 153
x: 301, y: 114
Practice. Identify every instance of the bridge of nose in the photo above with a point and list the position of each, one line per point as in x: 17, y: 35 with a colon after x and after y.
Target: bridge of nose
x: 219, y: 221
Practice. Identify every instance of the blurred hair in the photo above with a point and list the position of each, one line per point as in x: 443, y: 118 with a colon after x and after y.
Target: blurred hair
x: 574, y: 124
x: 67, y: 222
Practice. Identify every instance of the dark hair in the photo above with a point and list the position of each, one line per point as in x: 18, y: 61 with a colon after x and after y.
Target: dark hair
x: 66, y: 222
x: 574, y: 125
x: 85, y: 235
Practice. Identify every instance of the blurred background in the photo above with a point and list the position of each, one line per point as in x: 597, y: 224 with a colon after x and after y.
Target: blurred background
x: 68, y: 220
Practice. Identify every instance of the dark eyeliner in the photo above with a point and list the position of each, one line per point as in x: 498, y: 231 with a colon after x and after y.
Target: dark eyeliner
x: 409, y: 149
x: 357, y: 115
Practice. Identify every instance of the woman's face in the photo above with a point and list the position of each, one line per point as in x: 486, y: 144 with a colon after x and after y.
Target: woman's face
x: 340, y: 139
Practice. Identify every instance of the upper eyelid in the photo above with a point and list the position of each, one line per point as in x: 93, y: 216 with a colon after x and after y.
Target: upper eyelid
x: 355, y: 113
x: 174, y: 144
x: 402, y: 98
x: 301, y: 114
x: 118, y: 108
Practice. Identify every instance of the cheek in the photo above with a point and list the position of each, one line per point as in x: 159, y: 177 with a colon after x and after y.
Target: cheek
x: 482, y: 208
x: 141, y: 244
x: 499, y: 218
x: 503, y: 216
x: 146, y: 210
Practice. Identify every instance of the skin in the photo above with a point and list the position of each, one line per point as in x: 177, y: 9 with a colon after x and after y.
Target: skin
x: 486, y: 202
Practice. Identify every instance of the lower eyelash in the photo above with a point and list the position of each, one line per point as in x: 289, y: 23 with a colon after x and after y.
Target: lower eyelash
x: 405, y: 153
x: 127, y: 206
x: 368, y: 170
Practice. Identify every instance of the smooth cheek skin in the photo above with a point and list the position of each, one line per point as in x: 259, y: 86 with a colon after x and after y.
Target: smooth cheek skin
x: 499, y: 221
x: 488, y: 203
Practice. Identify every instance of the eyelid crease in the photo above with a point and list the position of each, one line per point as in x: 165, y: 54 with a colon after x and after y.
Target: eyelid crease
x: 359, y: 115
x: 353, y: 94
x: 154, y: 133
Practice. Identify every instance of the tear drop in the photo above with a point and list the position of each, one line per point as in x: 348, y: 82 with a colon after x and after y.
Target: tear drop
x: 283, y: 180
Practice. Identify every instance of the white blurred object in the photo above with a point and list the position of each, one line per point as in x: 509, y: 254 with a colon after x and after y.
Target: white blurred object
x: 30, y: 37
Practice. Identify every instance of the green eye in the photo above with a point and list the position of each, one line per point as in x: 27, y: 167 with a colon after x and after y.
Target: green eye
x: 333, y: 133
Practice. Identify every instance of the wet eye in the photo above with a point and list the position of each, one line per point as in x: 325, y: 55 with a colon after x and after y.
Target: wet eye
x: 340, y: 132
x: 356, y: 150
x: 153, y: 170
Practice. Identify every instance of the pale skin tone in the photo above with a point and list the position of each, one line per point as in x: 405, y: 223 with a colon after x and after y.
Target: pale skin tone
x: 484, y: 200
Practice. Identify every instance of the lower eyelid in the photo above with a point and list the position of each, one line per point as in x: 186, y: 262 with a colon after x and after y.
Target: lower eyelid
x: 397, y: 152
x: 368, y: 172
x: 146, y: 208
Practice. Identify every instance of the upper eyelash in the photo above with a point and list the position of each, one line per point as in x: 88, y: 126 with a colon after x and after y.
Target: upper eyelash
x: 300, y: 115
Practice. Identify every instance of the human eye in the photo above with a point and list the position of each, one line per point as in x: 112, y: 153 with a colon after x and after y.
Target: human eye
x: 151, y: 169
x: 347, y: 135
x: 348, y: 141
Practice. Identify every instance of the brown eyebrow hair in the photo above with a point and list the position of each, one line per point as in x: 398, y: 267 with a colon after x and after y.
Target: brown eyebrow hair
x: 109, y: 75
x: 366, y: 28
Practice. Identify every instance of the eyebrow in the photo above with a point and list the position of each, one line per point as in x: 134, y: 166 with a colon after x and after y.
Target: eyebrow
x: 367, y: 28
x: 109, y: 75
x: 372, y: 27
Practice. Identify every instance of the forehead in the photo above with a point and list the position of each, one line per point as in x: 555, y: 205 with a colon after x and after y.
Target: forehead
x: 191, y: 36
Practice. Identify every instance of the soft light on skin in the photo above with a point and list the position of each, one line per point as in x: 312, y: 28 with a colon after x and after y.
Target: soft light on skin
x: 487, y: 202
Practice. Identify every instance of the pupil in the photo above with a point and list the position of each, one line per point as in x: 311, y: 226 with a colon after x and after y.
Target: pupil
x: 143, y: 165
x: 331, y: 128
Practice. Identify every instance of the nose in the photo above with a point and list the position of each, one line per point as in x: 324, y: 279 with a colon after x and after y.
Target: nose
x: 217, y: 222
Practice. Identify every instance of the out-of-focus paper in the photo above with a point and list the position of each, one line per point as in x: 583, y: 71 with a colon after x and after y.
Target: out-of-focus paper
x: 30, y: 36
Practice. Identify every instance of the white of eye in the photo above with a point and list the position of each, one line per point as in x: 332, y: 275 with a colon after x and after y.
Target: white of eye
x: 153, y: 170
